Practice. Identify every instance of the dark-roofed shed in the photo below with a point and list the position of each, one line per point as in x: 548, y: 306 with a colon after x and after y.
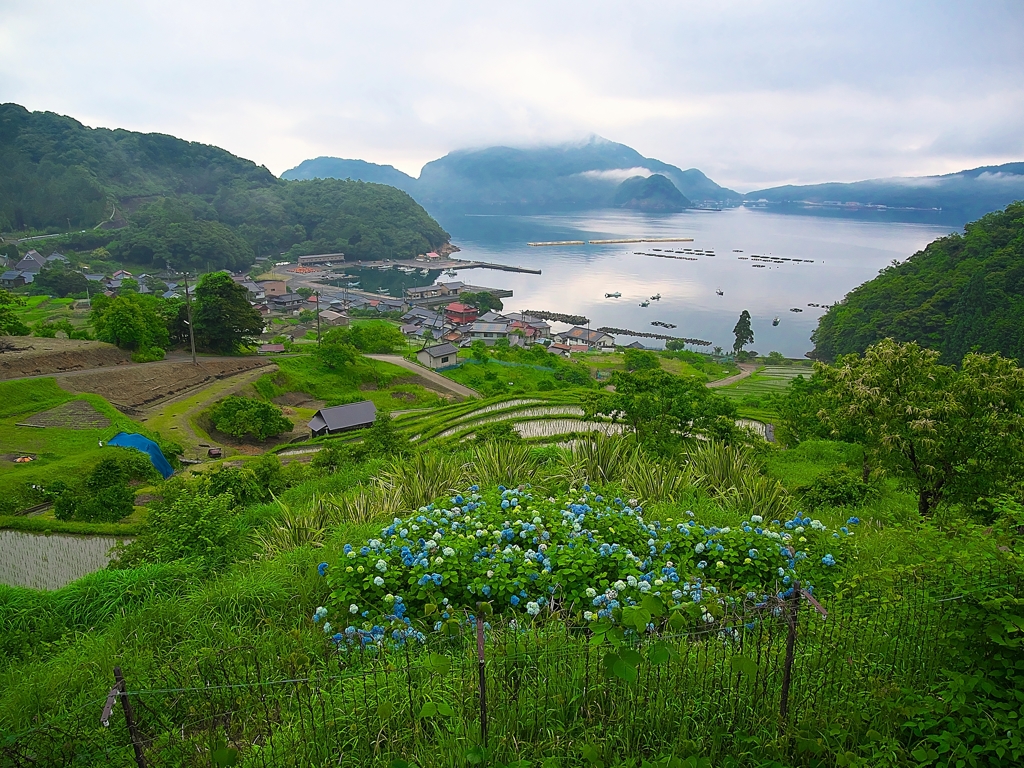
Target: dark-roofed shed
x: 342, y: 418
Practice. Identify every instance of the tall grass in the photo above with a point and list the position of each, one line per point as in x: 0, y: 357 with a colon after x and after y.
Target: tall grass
x: 506, y: 464
x: 649, y: 480
x: 735, y: 476
x: 419, y: 480
x: 600, y: 459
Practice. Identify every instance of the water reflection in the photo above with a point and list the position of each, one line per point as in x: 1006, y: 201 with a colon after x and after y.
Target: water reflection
x: 845, y: 253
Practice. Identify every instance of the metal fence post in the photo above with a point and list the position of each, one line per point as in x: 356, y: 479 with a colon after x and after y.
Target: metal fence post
x: 129, y: 716
x: 482, y: 677
x: 792, y: 609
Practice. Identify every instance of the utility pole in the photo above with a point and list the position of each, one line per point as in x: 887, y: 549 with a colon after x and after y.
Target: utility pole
x: 317, y: 294
x: 191, y: 332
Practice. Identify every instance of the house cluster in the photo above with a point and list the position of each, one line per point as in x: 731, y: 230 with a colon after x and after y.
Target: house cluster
x: 24, y: 271
x: 459, y: 326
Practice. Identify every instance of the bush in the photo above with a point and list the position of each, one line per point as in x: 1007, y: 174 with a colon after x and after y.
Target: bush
x: 497, y: 432
x: 524, y: 554
x: 189, y: 525
x: 329, y: 459
x: 244, y: 417
x: 148, y: 355
x: 836, y: 488
x: 105, y: 496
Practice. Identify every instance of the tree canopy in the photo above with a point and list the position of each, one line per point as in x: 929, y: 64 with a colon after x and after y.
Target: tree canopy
x: 949, y: 434
x: 962, y: 293
x: 744, y: 334
x: 224, y: 319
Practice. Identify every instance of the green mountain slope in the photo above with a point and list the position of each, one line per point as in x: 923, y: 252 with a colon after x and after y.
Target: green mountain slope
x: 655, y: 194
x: 359, y: 170
x: 960, y: 293
x: 571, y: 176
x: 163, y: 199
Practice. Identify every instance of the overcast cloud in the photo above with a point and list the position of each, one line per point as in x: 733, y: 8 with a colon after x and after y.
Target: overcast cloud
x: 752, y: 93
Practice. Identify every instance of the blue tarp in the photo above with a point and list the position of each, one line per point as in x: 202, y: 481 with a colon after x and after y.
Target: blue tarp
x: 147, y: 446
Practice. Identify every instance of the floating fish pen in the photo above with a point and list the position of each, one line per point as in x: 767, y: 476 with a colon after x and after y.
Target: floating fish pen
x: 639, y: 240
x: 557, y: 242
x: 558, y: 317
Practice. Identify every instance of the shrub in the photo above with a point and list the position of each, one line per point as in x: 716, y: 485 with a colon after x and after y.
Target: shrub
x: 496, y: 432
x: 836, y: 488
x: 189, y: 525
x: 583, y: 555
x: 244, y: 417
x: 329, y: 458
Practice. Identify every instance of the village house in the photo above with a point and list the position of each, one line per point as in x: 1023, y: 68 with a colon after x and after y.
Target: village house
x: 488, y: 332
x: 287, y: 301
x: 439, y: 356
x: 330, y: 317
x: 587, y: 337
x: 460, y: 314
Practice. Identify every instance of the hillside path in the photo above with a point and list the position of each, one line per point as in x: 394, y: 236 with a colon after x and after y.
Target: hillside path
x: 745, y: 370
x: 435, y: 378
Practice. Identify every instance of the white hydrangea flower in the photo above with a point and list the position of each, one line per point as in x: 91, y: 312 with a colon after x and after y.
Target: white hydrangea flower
x: 353, y: 608
x: 378, y: 581
x: 448, y: 552
x: 631, y: 580
x: 381, y: 566
x: 591, y: 592
x: 532, y: 608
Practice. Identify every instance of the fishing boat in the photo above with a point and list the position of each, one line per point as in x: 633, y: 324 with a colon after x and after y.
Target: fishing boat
x: 720, y: 292
x: 656, y: 297
x: 612, y: 295
x: 736, y: 250
x: 382, y: 290
x: 776, y: 321
x: 796, y: 309
x: 353, y: 285
x: 451, y: 273
x: 645, y: 304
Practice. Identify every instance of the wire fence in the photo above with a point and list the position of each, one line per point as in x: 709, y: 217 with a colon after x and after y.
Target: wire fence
x: 774, y: 672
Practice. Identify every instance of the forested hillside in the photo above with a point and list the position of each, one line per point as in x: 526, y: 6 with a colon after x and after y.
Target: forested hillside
x: 961, y: 293
x: 164, y: 199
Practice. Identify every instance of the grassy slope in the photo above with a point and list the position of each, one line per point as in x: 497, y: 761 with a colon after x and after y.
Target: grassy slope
x: 61, y: 454
x: 367, y: 380
x: 149, y: 619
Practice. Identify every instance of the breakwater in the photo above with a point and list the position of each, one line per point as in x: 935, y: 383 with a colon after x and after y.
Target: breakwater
x: 646, y: 335
x: 558, y: 317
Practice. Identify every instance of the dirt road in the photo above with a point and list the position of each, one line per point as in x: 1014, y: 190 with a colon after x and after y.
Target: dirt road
x: 425, y: 373
x: 745, y: 370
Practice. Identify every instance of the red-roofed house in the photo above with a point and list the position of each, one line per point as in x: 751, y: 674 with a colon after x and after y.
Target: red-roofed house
x: 460, y: 313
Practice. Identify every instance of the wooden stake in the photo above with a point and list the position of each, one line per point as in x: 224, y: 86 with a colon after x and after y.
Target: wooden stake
x: 140, y: 757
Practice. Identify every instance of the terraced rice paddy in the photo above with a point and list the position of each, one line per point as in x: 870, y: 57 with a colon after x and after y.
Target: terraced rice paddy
x: 517, y: 415
x: 543, y: 428
x: 51, y: 561
x: 751, y: 393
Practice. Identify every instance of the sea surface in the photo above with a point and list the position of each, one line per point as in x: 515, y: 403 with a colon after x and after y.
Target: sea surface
x: 575, y: 279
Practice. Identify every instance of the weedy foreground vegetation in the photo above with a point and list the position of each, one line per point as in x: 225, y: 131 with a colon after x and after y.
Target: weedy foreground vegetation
x: 423, y: 596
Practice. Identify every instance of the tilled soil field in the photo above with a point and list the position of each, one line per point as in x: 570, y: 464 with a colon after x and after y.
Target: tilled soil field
x: 136, y: 386
x: 78, y: 414
x: 34, y: 356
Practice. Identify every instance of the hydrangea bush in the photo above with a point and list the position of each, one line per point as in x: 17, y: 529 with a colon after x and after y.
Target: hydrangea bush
x: 582, y: 556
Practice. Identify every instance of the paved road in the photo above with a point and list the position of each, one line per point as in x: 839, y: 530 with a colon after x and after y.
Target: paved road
x: 745, y: 370
x: 429, y: 375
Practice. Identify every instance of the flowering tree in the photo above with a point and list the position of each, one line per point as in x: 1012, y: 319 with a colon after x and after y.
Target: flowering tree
x: 951, y: 435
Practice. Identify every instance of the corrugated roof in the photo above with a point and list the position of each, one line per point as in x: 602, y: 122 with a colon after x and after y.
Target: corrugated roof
x: 441, y: 350
x: 359, y: 414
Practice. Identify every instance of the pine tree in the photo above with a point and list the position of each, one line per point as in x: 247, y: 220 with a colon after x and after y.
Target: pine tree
x: 744, y: 335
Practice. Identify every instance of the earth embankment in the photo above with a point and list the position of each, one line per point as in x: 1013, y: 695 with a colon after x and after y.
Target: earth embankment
x: 34, y: 356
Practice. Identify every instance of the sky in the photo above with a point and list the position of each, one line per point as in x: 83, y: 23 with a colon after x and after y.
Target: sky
x: 753, y: 93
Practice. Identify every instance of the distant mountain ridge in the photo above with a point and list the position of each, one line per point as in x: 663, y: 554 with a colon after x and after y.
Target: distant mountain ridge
x: 962, y: 196
x: 571, y: 176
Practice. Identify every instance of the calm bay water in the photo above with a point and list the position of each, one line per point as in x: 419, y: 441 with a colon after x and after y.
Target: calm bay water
x: 575, y: 279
